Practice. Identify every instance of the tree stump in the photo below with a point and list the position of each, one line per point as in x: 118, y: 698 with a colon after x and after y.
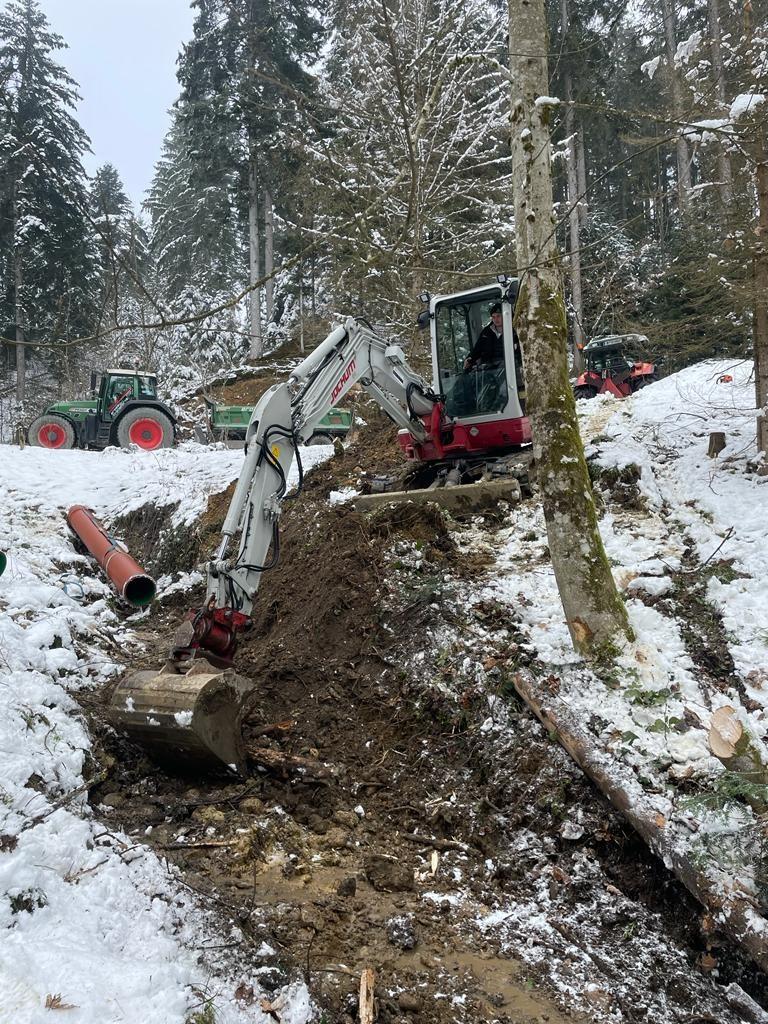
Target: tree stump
x: 716, y: 443
x: 739, y: 752
x: 762, y: 444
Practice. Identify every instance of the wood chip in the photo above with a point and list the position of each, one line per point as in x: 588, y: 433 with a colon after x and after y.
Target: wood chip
x: 56, y: 1003
x: 367, y: 1004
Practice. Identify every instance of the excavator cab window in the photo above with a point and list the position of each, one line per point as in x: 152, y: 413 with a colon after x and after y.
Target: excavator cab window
x: 481, y: 389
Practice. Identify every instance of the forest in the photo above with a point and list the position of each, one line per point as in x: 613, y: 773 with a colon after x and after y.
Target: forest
x: 343, y: 157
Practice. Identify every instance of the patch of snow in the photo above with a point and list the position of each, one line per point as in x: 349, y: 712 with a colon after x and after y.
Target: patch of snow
x: 687, y: 48
x: 746, y: 102
x: 650, y: 67
x: 345, y: 494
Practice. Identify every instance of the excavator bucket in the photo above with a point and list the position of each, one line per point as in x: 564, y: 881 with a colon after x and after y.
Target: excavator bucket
x: 186, y: 718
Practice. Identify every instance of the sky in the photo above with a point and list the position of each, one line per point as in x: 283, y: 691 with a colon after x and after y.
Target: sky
x: 122, y: 54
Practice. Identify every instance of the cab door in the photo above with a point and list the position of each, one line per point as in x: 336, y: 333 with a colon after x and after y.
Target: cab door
x: 485, y: 392
x: 119, y: 388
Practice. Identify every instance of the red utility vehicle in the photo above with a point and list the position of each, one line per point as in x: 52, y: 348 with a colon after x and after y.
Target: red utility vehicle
x: 607, y: 370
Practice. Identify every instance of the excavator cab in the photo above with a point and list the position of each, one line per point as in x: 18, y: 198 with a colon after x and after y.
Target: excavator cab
x: 486, y: 399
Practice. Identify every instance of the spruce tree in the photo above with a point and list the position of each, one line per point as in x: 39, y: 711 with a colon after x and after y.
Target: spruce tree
x: 47, y: 255
x: 244, y: 82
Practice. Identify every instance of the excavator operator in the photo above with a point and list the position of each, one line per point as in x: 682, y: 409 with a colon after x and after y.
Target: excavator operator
x: 489, y: 347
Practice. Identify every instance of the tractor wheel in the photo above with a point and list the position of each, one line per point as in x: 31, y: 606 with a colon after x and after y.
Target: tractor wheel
x: 51, y: 431
x: 319, y: 438
x: 147, y: 428
x: 643, y: 382
x: 585, y: 391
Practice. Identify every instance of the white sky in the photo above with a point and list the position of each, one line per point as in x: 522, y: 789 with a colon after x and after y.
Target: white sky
x: 122, y: 53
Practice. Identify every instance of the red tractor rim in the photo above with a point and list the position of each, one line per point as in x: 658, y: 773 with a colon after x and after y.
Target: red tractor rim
x: 146, y: 433
x: 52, y: 435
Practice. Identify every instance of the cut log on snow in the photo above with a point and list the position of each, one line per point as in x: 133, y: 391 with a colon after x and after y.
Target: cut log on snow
x: 733, y: 745
x: 367, y: 1005
x: 735, y: 910
x: 716, y: 443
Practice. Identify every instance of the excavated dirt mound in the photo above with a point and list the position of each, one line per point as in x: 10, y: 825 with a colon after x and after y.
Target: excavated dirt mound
x: 385, y: 821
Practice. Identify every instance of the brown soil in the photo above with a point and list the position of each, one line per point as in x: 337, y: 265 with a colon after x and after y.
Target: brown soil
x: 428, y: 820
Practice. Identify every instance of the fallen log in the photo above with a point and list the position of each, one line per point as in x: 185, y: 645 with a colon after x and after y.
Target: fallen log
x: 740, y: 752
x: 745, y: 1005
x: 734, y: 910
x: 276, y: 760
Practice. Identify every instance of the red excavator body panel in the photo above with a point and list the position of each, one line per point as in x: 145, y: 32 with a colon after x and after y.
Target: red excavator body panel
x: 465, y: 439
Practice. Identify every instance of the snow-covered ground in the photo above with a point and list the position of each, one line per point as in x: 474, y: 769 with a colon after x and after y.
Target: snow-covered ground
x: 91, y: 920
x: 650, y: 718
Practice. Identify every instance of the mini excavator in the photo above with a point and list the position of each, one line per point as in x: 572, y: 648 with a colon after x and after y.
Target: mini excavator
x: 468, y: 426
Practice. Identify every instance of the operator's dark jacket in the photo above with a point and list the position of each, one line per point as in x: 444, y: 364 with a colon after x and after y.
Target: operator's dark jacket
x: 489, y: 347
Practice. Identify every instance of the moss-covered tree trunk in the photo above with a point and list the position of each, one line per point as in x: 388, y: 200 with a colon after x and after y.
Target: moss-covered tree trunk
x: 593, y: 608
x: 761, y: 300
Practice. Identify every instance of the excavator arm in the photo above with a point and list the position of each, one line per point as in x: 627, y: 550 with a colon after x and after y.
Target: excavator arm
x: 286, y: 416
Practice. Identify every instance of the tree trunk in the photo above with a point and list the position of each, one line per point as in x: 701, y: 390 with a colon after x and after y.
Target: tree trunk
x: 594, y: 611
x: 723, y: 159
x: 312, y: 288
x: 581, y: 169
x: 683, y: 151
x: 574, y: 202
x: 761, y: 300
x: 269, y: 253
x: 18, y: 311
x: 301, y: 311
x: 254, y: 297
x: 735, y: 910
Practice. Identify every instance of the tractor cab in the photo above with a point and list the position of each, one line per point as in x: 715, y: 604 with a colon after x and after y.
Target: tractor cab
x: 478, y: 372
x: 609, y: 370
x: 606, y: 356
x: 119, y: 386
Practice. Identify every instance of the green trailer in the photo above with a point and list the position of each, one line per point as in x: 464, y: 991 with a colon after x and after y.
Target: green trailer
x: 228, y: 423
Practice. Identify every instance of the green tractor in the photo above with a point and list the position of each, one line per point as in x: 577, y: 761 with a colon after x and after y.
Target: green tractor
x: 124, y: 410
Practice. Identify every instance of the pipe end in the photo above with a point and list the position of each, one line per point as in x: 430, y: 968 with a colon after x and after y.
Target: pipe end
x: 140, y: 591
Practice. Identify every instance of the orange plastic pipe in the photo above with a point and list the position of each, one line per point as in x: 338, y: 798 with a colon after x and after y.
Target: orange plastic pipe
x: 127, y: 576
